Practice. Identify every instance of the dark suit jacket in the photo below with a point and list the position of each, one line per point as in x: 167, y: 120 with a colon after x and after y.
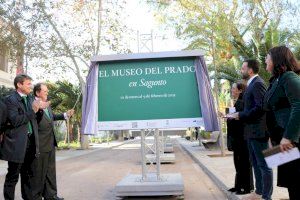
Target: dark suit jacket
x: 235, y: 128
x: 13, y: 146
x: 253, y: 114
x: 47, y: 138
x: 3, y: 115
x: 283, y: 99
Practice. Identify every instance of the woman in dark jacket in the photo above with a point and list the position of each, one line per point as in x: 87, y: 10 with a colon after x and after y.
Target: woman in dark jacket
x: 237, y: 144
x: 282, y: 103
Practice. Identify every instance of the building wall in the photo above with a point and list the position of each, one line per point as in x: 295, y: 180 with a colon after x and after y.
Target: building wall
x: 11, y: 65
x: 7, y: 69
x: 6, y: 79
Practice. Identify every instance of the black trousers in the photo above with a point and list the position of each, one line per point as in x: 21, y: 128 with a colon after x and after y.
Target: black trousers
x: 26, y: 171
x: 243, y: 168
x: 45, y: 176
x: 289, y: 176
x: 294, y: 193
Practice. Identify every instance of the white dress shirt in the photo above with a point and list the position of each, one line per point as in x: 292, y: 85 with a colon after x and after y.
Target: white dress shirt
x: 251, y: 79
x: 21, y: 94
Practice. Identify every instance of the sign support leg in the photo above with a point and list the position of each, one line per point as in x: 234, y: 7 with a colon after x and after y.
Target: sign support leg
x: 144, y: 167
x: 157, y: 149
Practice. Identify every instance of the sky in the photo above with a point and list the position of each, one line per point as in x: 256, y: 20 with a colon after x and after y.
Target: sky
x: 142, y: 19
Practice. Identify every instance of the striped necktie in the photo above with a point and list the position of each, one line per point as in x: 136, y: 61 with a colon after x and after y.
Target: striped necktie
x: 46, y: 111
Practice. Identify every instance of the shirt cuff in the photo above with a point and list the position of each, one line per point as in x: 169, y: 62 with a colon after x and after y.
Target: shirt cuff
x: 65, y: 116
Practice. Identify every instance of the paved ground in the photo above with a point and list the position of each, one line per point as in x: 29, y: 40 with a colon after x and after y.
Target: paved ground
x: 92, y: 174
x: 221, y: 169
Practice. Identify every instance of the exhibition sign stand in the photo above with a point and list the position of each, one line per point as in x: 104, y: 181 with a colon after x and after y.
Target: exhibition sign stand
x: 148, y: 92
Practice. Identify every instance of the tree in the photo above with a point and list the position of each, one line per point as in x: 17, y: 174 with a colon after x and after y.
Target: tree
x: 64, y: 96
x: 228, y: 31
x: 89, y: 33
x: 66, y: 35
x: 220, y: 28
x: 11, y: 38
x: 62, y: 36
x: 270, y: 37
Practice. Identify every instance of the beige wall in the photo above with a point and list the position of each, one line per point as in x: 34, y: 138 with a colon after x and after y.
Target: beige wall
x: 9, y: 62
x: 7, y: 69
x: 6, y: 79
x: 3, y: 58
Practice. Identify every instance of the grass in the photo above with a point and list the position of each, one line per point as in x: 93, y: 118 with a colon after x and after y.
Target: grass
x: 72, y: 145
x: 100, y: 140
x: 76, y: 145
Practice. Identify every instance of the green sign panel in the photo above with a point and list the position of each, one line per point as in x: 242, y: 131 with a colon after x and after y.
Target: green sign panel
x: 158, y: 93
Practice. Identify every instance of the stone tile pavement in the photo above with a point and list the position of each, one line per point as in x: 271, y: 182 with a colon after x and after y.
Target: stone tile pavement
x: 65, y: 154
x: 221, y: 169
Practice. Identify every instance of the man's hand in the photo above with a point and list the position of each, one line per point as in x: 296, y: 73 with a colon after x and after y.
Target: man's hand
x: 286, y: 144
x: 220, y: 114
x: 70, y: 113
x: 35, y: 105
x: 44, y: 104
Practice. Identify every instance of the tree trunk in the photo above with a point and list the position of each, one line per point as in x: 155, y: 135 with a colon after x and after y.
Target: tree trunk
x: 78, y: 134
x: 66, y: 135
x: 84, y: 142
x: 71, y: 137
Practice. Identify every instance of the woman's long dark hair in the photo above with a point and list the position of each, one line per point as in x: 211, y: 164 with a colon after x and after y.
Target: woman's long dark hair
x: 283, y: 60
x: 240, y: 85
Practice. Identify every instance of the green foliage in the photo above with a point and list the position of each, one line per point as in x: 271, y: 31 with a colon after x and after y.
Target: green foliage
x: 4, y: 91
x: 294, y: 43
x: 272, y: 36
x: 96, y: 140
x: 59, y: 135
x: 224, y: 98
x: 72, y: 145
x: 11, y: 36
x: 231, y: 31
x: 205, y: 134
x: 99, y: 140
x: 63, y: 96
x: 61, y: 36
x: 297, y: 52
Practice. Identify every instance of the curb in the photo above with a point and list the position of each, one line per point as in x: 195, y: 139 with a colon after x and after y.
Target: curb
x: 220, y: 184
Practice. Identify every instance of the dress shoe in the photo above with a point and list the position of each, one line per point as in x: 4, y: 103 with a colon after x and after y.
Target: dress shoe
x: 55, y: 198
x: 233, y: 189
x: 242, y: 191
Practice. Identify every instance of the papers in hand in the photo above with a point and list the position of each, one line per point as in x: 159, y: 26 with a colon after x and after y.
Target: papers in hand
x: 231, y: 110
x: 232, y: 115
x: 274, y: 157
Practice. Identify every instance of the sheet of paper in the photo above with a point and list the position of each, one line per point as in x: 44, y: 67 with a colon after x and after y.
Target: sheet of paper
x: 282, y: 157
x: 232, y: 110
